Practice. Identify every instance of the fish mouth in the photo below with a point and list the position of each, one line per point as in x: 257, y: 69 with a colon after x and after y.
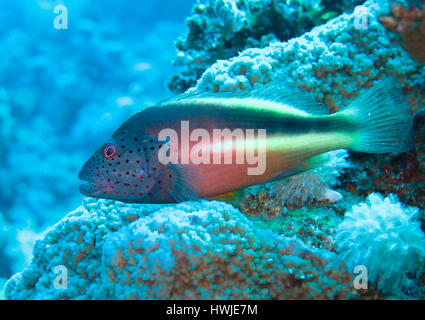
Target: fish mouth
x: 88, y: 188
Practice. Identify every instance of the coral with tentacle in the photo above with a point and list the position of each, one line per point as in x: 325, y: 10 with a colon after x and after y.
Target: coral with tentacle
x: 386, y: 237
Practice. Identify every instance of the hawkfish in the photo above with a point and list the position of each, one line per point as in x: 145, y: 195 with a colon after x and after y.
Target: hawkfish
x: 170, y: 152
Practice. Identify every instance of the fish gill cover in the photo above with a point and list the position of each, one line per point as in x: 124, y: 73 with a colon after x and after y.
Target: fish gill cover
x: 63, y: 93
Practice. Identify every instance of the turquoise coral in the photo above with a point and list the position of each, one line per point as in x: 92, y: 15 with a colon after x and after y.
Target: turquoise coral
x: 220, y: 29
x: 333, y: 61
x: 193, y: 250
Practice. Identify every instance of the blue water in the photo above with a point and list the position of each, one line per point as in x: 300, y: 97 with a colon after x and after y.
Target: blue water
x: 63, y: 92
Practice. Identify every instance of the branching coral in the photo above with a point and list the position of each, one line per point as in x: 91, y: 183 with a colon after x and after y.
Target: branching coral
x: 220, y: 29
x: 384, y: 236
x: 409, y: 23
x: 194, y: 250
x: 334, y: 61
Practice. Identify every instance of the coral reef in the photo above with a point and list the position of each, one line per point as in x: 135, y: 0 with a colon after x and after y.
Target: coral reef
x: 386, y: 238
x: 336, y: 62
x: 220, y: 29
x: 409, y: 23
x: 192, y: 250
x: 303, y: 205
x: 208, y: 249
x: 313, y: 223
x: 402, y: 174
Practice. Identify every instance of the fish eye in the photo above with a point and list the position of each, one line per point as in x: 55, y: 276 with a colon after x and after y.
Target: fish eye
x: 110, y: 151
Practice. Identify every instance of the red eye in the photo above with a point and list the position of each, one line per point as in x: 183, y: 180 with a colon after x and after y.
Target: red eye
x: 110, y: 151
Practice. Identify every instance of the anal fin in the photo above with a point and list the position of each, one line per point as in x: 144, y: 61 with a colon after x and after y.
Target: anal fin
x: 233, y: 197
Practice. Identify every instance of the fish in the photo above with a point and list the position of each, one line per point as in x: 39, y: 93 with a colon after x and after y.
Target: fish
x: 169, y: 153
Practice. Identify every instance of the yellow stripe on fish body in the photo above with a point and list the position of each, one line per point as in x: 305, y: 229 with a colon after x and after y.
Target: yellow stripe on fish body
x: 307, y: 145
x: 289, y: 151
x: 249, y: 103
x: 303, y: 144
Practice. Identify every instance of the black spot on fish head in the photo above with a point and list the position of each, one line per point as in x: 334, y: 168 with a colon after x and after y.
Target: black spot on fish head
x: 125, y: 168
x: 116, y: 171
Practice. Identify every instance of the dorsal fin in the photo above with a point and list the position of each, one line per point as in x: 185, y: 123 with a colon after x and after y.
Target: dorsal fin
x: 196, y: 94
x: 281, y: 91
x: 278, y: 91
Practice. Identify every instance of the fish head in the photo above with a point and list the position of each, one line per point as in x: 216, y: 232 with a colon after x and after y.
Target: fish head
x: 122, y: 169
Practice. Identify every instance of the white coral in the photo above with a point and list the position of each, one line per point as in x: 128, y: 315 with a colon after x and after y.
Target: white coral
x: 383, y: 235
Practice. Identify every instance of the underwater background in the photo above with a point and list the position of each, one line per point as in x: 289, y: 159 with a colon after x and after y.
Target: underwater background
x: 65, y: 89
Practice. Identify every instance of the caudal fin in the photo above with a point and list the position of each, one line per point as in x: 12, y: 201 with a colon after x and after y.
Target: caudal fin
x: 384, y: 121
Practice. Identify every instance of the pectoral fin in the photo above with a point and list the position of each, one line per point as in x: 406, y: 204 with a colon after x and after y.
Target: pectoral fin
x: 181, y: 190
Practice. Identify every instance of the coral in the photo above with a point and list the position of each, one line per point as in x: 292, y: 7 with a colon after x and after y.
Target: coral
x: 402, y: 174
x: 220, y: 29
x: 313, y: 223
x: 314, y: 226
x: 333, y: 61
x: 409, y: 23
x: 192, y: 250
x: 276, y: 201
x: 336, y: 62
x: 384, y: 236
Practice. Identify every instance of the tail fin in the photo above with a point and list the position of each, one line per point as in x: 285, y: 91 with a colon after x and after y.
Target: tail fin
x: 384, y: 121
